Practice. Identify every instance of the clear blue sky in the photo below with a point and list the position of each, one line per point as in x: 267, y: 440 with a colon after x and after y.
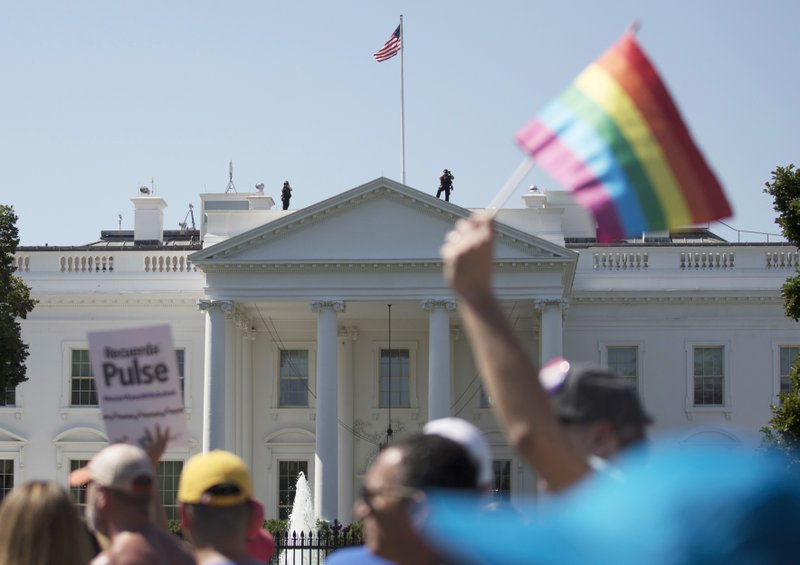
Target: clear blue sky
x: 99, y: 97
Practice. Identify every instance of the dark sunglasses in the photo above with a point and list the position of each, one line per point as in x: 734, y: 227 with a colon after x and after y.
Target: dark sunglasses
x: 368, y: 495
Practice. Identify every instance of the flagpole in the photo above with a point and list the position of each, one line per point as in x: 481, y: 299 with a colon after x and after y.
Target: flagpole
x: 402, y: 110
x: 508, y: 188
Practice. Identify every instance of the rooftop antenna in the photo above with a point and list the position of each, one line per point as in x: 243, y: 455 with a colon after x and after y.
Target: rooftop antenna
x: 189, y: 214
x: 153, y: 185
x: 119, y: 222
x: 230, y: 178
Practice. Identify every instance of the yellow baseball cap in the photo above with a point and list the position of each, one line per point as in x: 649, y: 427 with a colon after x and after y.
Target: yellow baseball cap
x: 217, y: 478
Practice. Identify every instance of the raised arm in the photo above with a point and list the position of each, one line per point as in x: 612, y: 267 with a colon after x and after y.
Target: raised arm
x: 155, y: 444
x: 511, y: 379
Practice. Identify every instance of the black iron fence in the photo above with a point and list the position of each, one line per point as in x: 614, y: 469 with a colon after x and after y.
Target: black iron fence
x: 312, y: 547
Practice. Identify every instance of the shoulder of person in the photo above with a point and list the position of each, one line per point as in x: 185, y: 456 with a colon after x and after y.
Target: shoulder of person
x: 128, y: 548
x: 101, y: 559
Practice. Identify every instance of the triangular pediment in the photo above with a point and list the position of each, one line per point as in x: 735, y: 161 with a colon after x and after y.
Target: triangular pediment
x: 381, y: 221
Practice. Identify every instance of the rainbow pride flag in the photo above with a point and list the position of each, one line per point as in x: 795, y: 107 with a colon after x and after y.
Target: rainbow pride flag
x: 617, y: 140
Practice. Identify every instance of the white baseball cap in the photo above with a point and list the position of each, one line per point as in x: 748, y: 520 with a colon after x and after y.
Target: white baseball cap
x: 121, y: 467
x: 469, y: 437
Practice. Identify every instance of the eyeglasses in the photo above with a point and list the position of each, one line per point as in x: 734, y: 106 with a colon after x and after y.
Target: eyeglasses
x: 368, y: 495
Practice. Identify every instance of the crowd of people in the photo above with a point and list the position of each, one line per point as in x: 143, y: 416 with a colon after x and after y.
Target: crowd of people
x: 124, y: 520
x: 606, y: 496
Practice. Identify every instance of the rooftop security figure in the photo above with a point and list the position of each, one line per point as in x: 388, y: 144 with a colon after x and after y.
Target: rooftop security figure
x: 446, y: 185
x: 286, y: 195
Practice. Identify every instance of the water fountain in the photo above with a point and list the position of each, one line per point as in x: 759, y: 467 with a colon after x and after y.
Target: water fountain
x: 301, y: 521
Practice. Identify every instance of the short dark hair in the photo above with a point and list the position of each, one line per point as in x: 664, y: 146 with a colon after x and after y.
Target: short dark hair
x: 432, y: 461
x: 210, y: 523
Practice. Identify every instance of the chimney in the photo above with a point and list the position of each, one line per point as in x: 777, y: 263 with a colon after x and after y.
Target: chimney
x: 148, y: 218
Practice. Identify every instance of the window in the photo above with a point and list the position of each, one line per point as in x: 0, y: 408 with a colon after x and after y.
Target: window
x: 6, y: 477
x: 709, y: 376
x: 287, y: 484
x: 501, y: 490
x: 394, y: 378
x: 788, y: 355
x: 169, y: 473
x: 181, y: 361
x: 78, y: 493
x: 294, y: 378
x: 9, y: 397
x: 624, y: 361
x: 82, y: 388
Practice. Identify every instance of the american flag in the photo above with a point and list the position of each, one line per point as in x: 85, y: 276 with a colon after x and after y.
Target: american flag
x: 390, y: 48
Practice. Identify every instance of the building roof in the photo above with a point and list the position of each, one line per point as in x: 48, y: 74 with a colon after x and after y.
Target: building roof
x: 122, y: 240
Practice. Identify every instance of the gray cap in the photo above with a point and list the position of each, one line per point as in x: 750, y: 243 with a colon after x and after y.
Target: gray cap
x: 583, y: 394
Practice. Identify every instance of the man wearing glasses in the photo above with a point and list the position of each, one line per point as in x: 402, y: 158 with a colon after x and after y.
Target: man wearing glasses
x: 392, y: 497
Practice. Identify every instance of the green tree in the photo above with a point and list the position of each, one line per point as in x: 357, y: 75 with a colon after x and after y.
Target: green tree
x: 785, y: 192
x: 783, y: 430
x: 15, y: 303
x: 782, y: 433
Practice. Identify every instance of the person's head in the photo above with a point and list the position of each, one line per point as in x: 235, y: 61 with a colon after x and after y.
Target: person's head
x: 215, y: 491
x: 121, y: 480
x: 395, y: 480
x: 599, y: 410
x: 40, y: 525
x: 470, y: 438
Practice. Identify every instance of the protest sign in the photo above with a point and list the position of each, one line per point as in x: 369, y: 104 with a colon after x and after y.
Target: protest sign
x: 136, y: 374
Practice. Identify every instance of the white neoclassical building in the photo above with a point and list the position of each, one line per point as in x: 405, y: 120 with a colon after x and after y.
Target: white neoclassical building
x: 304, y: 336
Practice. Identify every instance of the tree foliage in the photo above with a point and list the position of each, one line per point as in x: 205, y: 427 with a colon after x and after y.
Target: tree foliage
x: 15, y: 303
x: 785, y: 191
x: 782, y: 433
x: 783, y: 430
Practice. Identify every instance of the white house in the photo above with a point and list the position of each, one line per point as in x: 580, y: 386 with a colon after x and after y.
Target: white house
x: 304, y: 335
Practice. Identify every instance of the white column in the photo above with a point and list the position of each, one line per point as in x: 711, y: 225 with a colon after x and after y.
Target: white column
x: 439, y: 395
x: 552, y: 332
x: 326, y: 481
x: 346, y: 338
x: 214, y: 373
x: 247, y: 396
x: 231, y: 361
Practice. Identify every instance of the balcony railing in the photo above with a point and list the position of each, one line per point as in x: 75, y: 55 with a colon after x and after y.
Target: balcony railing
x: 620, y: 260
x: 78, y: 262
x: 700, y: 260
x: 168, y: 264
x: 86, y: 263
x: 707, y: 260
x: 783, y: 259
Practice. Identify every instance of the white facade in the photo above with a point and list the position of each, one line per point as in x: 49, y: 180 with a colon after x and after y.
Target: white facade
x: 317, y: 282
